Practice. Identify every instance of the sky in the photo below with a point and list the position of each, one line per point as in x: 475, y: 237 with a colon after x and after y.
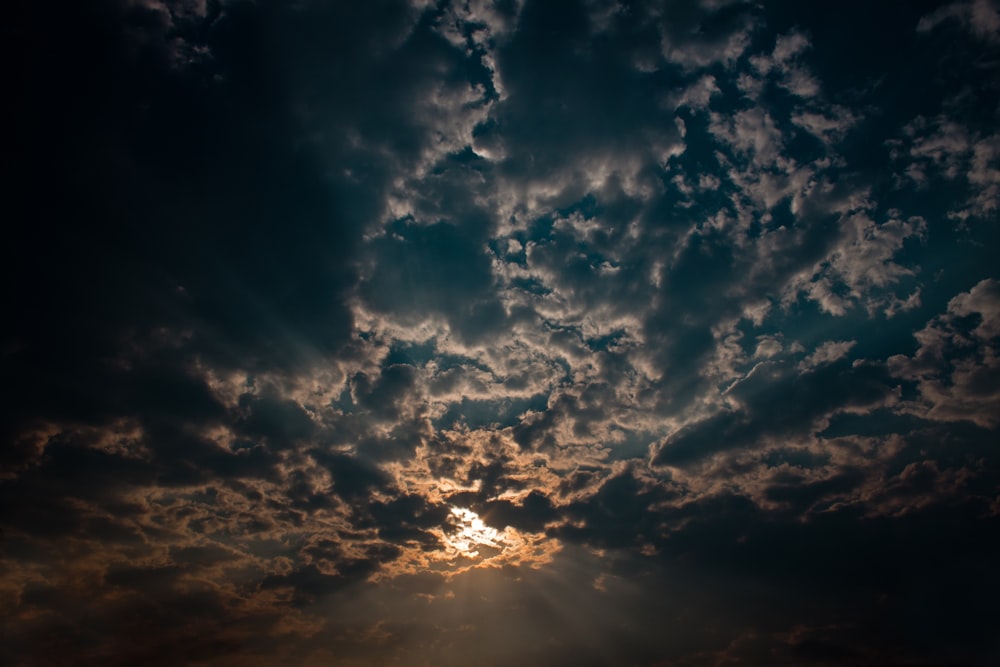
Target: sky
x: 474, y: 333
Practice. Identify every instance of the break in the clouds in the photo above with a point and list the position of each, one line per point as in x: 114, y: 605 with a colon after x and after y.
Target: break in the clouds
x: 500, y: 333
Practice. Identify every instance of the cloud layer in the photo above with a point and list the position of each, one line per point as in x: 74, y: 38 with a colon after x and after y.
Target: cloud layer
x: 497, y: 333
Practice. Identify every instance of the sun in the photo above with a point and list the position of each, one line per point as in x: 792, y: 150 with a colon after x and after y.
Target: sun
x: 471, y: 535
x: 466, y: 542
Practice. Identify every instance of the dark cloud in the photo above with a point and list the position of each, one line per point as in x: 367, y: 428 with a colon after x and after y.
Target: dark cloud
x: 776, y: 401
x: 523, y: 332
x: 440, y: 268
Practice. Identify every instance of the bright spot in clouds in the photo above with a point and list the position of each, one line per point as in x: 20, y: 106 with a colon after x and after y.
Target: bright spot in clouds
x: 471, y: 534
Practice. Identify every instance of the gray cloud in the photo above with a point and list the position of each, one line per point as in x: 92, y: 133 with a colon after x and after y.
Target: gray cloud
x: 955, y: 367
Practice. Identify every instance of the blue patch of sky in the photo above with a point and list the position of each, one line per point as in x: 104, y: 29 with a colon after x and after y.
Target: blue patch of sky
x: 530, y: 285
x: 798, y: 457
x: 490, y: 413
x: 634, y: 444
x: 873, y: 424
x: 605, y: 342
x: 414, y: 354
x: 804, y: 322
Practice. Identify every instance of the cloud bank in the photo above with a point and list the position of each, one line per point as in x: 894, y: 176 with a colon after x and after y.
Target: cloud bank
x: 553, y: 333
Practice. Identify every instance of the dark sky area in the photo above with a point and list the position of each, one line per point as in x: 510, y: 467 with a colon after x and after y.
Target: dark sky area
x: 484, y: 333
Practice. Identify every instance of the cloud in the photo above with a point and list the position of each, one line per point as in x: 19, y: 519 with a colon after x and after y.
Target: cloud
x: 944, y: 148
x: 829, y: 125
x: 826, y: 353
x: 422, y: 270
x: 698, y: 34
x: 955, y: 367
x: 773, y: 402
x: 980, y: 17
x: 860, y: 265
x: 312, y: 301
x: 784, y: 64
x: 698, y: 95
x: 752, y: 133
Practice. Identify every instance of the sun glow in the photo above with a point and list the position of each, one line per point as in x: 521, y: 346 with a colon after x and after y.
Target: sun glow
x: 467, y: 542
x: 472, y: 534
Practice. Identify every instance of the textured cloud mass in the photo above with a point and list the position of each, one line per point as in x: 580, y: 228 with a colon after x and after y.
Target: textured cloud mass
x: 501, y: 333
